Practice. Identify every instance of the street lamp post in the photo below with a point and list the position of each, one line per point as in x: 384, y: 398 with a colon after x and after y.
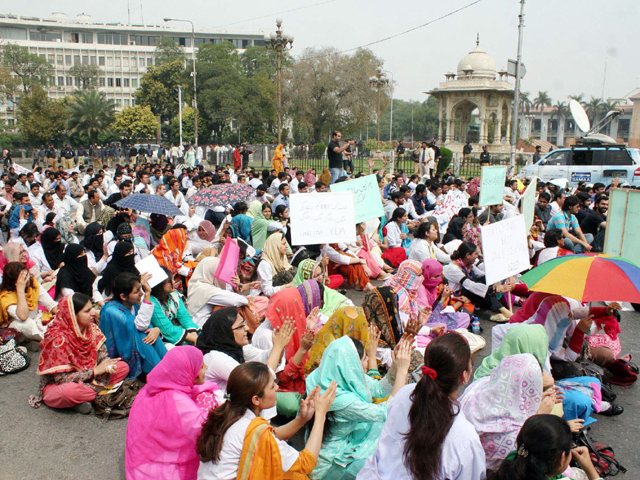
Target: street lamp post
x: 279, y: 41
x: 193, y: 74
x: 379, y: 81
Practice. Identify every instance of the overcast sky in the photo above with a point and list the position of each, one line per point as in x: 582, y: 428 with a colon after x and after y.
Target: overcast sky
x: 564, y: 49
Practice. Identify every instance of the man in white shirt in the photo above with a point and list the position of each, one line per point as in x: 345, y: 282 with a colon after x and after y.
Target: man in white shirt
x: 48, y: 206
x: 275, y: 185
x: 145, y: 185
x: 295, y: 181
x: 89, y: 211
x: 187, y: 181
x: 197, y: 183
x: 199, y: 154
x: 65, y: 202
x: 255, y: 181
x: 21, y: 185
x: 88, y: 176
x: 174, y: 194
x: 175, y: 153
x: 34, y: 195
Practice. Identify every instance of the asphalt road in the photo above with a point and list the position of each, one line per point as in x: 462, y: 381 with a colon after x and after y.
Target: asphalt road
x: 48, y: 444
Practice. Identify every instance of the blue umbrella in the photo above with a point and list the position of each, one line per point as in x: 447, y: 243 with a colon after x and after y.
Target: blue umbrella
x: 145, y: 202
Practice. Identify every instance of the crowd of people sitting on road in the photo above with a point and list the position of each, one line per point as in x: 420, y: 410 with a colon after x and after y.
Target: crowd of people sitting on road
x: 383, y: 388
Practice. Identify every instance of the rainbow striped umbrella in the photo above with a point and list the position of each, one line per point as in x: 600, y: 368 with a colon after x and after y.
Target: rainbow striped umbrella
x: 587, y: 278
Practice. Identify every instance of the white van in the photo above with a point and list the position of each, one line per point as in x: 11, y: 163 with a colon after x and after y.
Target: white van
x: 589, y: 163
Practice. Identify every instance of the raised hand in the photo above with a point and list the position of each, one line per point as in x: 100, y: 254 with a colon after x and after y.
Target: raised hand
x: 312, y: 319
x: 324, y: 401
x: 282, y: 336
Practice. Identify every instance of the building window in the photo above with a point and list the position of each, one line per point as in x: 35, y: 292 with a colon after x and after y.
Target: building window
x: 109, y: 61
x: 118, y: 102
x: 536, y: 124
x: 200, y: 41
x: 125, y: 61
x: 76, y: 81
x: 69, y: 81
x: 118, y: 62
x: 133, y: 102
x: 93, y: 60
x: 552, y: 125
x: 38, y: 36
x: 258, y: 43
x: 141, y: 62
x: 150, y: 62
x: 127, y: 102
x: 101, y: 61
x: 246, y: 43
x: 125, y: 82
x: 113, y: 38
x: 61, y: 81
x: 134, y: 82
x: 87, y: 38
x: 145, y: 40
x: 67, y: 59
x: 51, y: 58
x: 75, y: 38
x: 60, y: 59
x: 85, y: 59
x: 12, y: 33
x: 118, y: 82
x: 76, y: 59
x: 109, y: 82
x: 102, y: 81
x: 11, y: 121
x: 184, y: 41
x: 624, y: 125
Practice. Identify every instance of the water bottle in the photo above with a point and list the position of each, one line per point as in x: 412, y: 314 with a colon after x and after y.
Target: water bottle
x: 475, y: 325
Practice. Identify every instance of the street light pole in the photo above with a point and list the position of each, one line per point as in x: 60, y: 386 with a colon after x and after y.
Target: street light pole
x: 180, y: 111
x: 516, y: 96
x: 379, y: 81
x: 278, y: 41
x: 193, y: 74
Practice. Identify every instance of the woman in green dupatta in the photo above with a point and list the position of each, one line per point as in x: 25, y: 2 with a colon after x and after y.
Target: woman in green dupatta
x: 262, y: 224
x: 354, y: 422
x: 531, y: 339
x: 311, y: 270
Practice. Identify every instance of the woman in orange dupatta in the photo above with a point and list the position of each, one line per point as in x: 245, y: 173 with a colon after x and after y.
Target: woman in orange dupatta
x: 278, y: 160
x: 237, y: 426
x: 354, y: 269
x: 170, y: 250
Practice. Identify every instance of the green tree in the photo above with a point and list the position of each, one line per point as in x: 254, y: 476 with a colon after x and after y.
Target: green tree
x: 136, y: 123
x: 188, y: 127
x: 40, y: 119
x: 325, y: 90
x: 87, y: 75
x: 31, y: 69
x: 525, y: 102
x: 594, y: 107
x: 90, y: 114
x: 167, y: 51
x: 159, y: 89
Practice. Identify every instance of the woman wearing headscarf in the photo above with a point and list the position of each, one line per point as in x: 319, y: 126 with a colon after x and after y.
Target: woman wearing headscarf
x: 310, y: 178
x: 66, y: 226
x: 263, y: 225
x: 432, y: 293
x: 73, y: 356
x: 278, y: 160
x: 122, y: 260
x: 75, y: 275
x: 166, y: 449
x: 124, y: 233
x: 346, y: 321
x: 171, y: 316
x: 48, y: 252
x: 455, y: 230
x: 331, y: 299
x: 498, y: 405
x: 159, y: 226
x: 170, y: 252
x: 274, y: 260
x: 356, y: 422
x: 381, y: 309
x: 20, y: 296
x: 207, y: 292
x: 17, y: 252
x: 199, y: 240
x: 425, y: 243
x: 242, y: 221
x: 223, y: 342
x: 300, y: 305
x: 93, y: 244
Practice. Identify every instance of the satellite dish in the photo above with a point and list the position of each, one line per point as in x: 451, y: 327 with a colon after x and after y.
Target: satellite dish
x: 579, y: 116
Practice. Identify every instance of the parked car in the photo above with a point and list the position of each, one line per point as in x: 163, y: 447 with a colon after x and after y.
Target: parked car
x: 589, y: 163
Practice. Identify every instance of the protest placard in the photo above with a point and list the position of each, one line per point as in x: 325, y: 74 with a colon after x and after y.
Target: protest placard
x: 318, y: 218
x: 528, y: 204
x: 504, y: 248
x: 622, y: 236
x: 366, y: 195
x: 228, y: 266
x: 150, y: 265
x: 492, y: 185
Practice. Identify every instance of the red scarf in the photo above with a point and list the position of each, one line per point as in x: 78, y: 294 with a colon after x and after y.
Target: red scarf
x: 65, y: 348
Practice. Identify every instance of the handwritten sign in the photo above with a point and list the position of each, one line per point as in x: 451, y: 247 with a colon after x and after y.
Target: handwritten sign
x: 528, y: 204
x: 366, y: 195
x: 504, y: 248
x: 623, y: 224
x: 492, y: 185
x: 318, y: 218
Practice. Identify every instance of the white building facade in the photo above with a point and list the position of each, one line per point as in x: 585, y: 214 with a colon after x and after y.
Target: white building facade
x: 122, y: 52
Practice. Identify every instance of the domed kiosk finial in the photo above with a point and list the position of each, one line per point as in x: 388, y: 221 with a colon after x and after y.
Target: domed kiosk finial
x: 478, y: 39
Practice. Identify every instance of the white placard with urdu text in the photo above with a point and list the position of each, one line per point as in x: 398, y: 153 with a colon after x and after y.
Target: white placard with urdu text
x: 504, y: 248
x: 318, y: 218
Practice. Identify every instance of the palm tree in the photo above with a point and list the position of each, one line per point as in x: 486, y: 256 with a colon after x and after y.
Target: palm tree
x: 542, y: 100
x: 560, y: 110
x: 525, y: 102
x: 594, y: 108
x: 90, y: 114
x: 577, y: 98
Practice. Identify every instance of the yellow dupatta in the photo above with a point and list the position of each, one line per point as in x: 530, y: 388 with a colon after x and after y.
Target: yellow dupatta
x: 11, y: 298
x: 260, y: 458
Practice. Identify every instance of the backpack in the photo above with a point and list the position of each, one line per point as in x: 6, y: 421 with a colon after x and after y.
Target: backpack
x: 13, y: 359
x: 115, y: 405
x: 602, y: 456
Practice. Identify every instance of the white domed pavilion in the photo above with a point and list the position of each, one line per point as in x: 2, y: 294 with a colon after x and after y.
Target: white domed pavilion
x: 475, y: 104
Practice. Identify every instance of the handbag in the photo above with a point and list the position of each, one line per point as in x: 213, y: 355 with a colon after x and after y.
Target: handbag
x: 602, y: 456
x: 13, y: 359
x: 114, y: 404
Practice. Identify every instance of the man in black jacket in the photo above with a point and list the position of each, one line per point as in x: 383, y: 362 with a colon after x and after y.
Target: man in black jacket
x: 597, y: 218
